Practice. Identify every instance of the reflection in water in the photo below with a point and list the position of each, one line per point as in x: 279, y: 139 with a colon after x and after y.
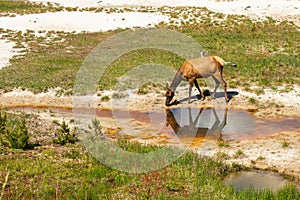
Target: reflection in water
x: 210, y: 123
x: 188, y: 122
x: 224, y: 124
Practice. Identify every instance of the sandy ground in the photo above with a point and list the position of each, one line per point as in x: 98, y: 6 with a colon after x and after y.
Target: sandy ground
x: 251, y: 8
x: 278, y: 9
x: 267, y: 153
x: 264, y: 153
x: 271, y: 104
x: 6, y: 52
x: 84, y: 21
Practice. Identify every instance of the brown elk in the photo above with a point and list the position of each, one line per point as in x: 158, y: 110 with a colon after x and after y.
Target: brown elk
x: 202, y: 67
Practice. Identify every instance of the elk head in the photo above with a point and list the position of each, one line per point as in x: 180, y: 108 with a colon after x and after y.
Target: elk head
x: 169, y: 95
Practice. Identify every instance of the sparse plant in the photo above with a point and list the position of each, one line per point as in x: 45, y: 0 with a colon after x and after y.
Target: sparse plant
x: 239, y: 153
x: 260, y: 158
x: 72, y: 154
x: 222, y: 143
x: 222, y: 155
x: 105, y: 98
x: 55, y: 121
x: 143, y: 90
x: 64, y: 135
x: 96, y: 129
x: 119, y: 95
x: 285, y: 144
x: 259, y: 91
x: 287, y: 88
x: 252, y: 100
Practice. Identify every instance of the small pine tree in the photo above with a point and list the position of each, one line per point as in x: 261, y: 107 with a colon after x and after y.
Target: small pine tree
x: 13, y: 132
x: 19, y: 138
x: 3, y: 122
x: 64, y: 128
x: 64, y: 135
x: 96, y: 128
x: 95, y: 131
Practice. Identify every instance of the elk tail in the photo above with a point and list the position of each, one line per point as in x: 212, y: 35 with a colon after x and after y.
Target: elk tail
x: 231, y: 63
x: 222, y: 62
x: 202, y: 54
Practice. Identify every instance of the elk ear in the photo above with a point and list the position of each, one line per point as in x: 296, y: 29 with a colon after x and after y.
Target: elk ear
x: 167, y: 85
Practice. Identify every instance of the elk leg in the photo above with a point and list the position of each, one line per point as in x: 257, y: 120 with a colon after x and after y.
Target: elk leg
x: 223, y: 82
x: 202, y: 97
x: 217, y: 83
x: 190, y: 91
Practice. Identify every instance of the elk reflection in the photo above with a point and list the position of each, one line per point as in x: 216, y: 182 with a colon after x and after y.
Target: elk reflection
x: 208, y: 125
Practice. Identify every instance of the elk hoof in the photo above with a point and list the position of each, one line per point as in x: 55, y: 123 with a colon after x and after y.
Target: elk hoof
x: 176, y: 102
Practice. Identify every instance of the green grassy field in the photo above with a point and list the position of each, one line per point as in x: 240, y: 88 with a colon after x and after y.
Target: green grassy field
x: 12, y: 7
x: 69, y: 172
x: 267, y: 54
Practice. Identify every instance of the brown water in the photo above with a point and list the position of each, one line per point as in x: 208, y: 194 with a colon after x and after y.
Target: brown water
x: 208, y: 123
x: 188, y: 123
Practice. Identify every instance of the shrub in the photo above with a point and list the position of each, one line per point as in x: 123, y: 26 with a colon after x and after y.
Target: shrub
x: 18, y: 137
x: 64, y: 135
x: 13, y: 132
x: 97, y: 129
x: 143, y: 90
x: 105, y: 98
x: 3, y: 122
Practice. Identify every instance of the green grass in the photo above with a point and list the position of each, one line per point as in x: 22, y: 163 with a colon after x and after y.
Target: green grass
x: 267, y: 55
x: 25, y: 7
x: 49, y: 63
x: 134, y: 59
x: 72, y: 173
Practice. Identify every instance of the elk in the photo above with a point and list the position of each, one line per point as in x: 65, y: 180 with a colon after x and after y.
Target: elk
x: 202, y: 67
